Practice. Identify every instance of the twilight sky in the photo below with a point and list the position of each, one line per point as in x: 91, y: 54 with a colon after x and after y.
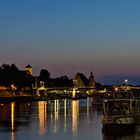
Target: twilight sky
x: 69, y: 36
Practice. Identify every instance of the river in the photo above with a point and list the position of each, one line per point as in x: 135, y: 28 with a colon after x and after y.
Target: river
x: 55, y: 119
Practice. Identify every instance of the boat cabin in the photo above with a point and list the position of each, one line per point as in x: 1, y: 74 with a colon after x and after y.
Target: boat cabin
x: 118, y: 107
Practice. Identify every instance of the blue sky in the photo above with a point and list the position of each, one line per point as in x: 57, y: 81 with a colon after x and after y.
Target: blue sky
x: 69, y: 36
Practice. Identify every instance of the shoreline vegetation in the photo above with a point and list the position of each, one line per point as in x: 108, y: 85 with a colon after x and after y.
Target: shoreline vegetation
x: 13, y: 78
x: 20, y: 85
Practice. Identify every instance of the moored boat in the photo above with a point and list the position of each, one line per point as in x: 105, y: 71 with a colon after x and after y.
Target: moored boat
x: 118, y: 115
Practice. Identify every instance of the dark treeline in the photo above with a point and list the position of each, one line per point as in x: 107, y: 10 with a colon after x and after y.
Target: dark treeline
x: 11, y: 75
x: 62, y: 81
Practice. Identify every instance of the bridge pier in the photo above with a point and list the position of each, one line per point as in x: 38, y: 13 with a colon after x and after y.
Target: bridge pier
x: 37, y: 92
x: 73, y: 93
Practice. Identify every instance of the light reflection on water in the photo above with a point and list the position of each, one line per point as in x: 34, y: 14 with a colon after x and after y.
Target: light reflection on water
x: 12, y: 121
x: 12, y: 116
x: 56, y: 119
x: 42, y: 115
x: 75, y: 116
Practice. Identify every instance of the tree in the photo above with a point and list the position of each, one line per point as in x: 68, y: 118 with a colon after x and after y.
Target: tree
x: 44, y: 76
x: 62, y: 81
x: 11, y: 75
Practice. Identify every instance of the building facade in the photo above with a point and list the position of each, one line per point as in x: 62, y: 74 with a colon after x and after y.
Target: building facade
x: 80, y: 81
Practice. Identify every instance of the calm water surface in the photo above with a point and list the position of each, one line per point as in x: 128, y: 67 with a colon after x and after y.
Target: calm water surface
x: 57, y: 119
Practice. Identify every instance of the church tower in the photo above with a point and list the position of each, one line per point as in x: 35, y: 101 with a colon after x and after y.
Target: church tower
x: 28, y: 69
x: 92, y: 82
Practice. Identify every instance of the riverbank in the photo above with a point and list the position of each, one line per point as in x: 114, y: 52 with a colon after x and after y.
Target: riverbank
x: 32, y: 98
x: 25, y: 98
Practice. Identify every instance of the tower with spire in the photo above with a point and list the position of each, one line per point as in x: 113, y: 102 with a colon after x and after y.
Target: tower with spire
x: 92, y: 82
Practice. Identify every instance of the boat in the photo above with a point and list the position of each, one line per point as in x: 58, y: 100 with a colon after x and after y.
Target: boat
x: 98, y: 98
x: 118, y: 115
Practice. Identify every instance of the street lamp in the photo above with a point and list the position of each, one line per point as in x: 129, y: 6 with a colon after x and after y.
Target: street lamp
x: 126, y: 81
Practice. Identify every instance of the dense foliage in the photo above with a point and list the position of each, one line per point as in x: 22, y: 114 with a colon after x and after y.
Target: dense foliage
x: 62, y: 81
x: 11, y: 75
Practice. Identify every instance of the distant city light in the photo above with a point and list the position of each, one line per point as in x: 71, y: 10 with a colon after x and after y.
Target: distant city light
x: 126, y: 81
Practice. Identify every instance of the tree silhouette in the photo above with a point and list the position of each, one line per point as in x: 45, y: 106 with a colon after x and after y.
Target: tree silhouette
x: 44, y: 76
x: 62, y: 81
x: 10, y: 74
